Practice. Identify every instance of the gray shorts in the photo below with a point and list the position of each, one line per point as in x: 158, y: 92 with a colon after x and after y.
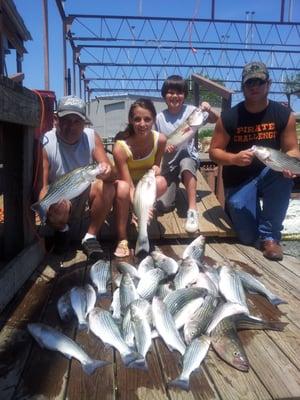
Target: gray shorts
x: 80, y: 215
x: 173, y: 175
x: 79, y: 218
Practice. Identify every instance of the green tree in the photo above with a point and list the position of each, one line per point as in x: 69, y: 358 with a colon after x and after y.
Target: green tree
x: 212, y: 98
x: 292, y: 84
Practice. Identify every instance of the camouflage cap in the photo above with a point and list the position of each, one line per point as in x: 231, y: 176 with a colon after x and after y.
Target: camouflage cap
x: 255, y: 69
x: 71, y: 105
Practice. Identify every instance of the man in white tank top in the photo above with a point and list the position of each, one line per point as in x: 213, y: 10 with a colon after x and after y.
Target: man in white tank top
x: 67, y: 146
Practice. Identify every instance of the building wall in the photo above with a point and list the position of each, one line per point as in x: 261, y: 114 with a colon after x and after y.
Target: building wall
x: 110, y: 115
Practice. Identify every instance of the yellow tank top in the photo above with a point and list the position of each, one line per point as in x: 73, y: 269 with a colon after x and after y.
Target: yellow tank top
x: 139, y: 167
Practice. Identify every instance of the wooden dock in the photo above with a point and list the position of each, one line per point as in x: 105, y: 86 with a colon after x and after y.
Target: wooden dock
x: 29, y: 372
x: 213, y: 222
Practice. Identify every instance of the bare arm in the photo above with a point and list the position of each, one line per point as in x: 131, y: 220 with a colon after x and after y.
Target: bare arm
x: 43, y: 180
x: 161, y: 145
x: 120, y: 159
x: 213, y: 115
x: 289, y: 142
x: 100, y: 156
x: 218, y: 153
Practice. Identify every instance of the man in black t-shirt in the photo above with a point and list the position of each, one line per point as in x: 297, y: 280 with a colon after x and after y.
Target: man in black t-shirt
x: 256, y: 197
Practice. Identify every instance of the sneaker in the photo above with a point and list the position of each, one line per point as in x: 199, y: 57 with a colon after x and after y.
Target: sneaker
x: 191, y: 224
x: 61, y: 242
x: 92, y: 249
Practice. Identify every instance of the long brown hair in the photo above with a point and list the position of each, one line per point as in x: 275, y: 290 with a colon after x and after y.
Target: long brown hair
x: 147, y: 104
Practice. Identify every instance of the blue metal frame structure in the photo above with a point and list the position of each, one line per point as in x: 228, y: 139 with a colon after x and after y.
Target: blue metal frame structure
x: 117, y: 54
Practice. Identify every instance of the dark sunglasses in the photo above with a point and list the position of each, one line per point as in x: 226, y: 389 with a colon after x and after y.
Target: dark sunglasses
x: 255, y: 82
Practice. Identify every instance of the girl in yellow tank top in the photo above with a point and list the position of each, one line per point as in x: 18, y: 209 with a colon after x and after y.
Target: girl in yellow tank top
x: 136, y: 150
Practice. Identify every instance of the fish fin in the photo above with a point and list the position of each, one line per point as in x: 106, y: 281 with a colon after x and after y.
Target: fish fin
x: 142, y: 244
x: 36, y: 207
x: 89, y: 368
x: 277, y: 300
x: 139, y: 364
x: 183, y: 384
x: 82, y: 326
x: 132, y: 359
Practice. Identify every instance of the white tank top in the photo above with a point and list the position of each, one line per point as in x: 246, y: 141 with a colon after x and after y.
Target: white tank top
x: 64, y: 157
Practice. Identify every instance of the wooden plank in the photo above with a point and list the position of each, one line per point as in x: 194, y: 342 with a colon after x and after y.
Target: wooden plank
x: 288, y: 279
x: 214, y: 209
x: 14, y: 274
x: 269, y: 363
x: 168, y: 224
x: 291, y: 263
x: 212, y: 86
x: 232, y: 384
x: 15, y: 342
x: 18, y: 104
x: 269, y: 278
x: 217, y: 380
x: 200, y: 386
x: 133, y: 383
x: 46, y: 371
x: 288, y: 342
x: 81, y: 385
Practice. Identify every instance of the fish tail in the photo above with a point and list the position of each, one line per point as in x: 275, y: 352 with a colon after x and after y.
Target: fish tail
x: 42, y: 212
x: 131, y: 359
x: 139, y: 364
x: 275, y: 325
x: 142, y: 244
x: 82, y: 326
x: 277, y: 300
x: 183, y: 384
x: 90, y: 367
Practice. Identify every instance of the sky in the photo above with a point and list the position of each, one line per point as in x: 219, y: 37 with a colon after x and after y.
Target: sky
x: 32, y: 13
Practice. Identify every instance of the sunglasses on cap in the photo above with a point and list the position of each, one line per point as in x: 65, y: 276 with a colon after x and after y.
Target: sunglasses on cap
x: 255, y: 82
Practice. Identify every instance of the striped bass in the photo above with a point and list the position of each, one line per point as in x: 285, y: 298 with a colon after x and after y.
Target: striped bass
x: 64, y: 307
x: 277, y: 160
x: 186, y: 131
x: 67, y: 187
x: 103, y: 325
x: 78, y: 299
x: 230, y: 286
x: 100, y: 275
x: 165, y: 326
x: 192, y: 358
x: 199, y: 322
x: 141, y: 328
x: 227, y: 345
x: 187, y: 273
x: 252, y: 284
x: 195, y: 249
x: 143, y: 201
x: 52, y: 339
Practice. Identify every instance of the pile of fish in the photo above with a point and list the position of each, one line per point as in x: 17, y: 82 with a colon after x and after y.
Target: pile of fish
x: 189, y: 304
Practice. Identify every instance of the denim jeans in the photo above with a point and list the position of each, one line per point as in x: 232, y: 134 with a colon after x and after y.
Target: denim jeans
x: 252, y: 221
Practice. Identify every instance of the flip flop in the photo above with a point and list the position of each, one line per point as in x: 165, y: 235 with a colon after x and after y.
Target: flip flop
x: 122, y: 249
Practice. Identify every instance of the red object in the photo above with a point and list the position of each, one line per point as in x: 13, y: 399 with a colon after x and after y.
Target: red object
x: 48, y: 99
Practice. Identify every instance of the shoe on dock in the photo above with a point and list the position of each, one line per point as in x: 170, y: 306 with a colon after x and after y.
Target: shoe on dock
x: 92, y: 249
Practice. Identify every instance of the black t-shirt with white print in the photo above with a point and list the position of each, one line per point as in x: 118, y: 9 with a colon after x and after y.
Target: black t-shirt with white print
x: 247, y: 129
